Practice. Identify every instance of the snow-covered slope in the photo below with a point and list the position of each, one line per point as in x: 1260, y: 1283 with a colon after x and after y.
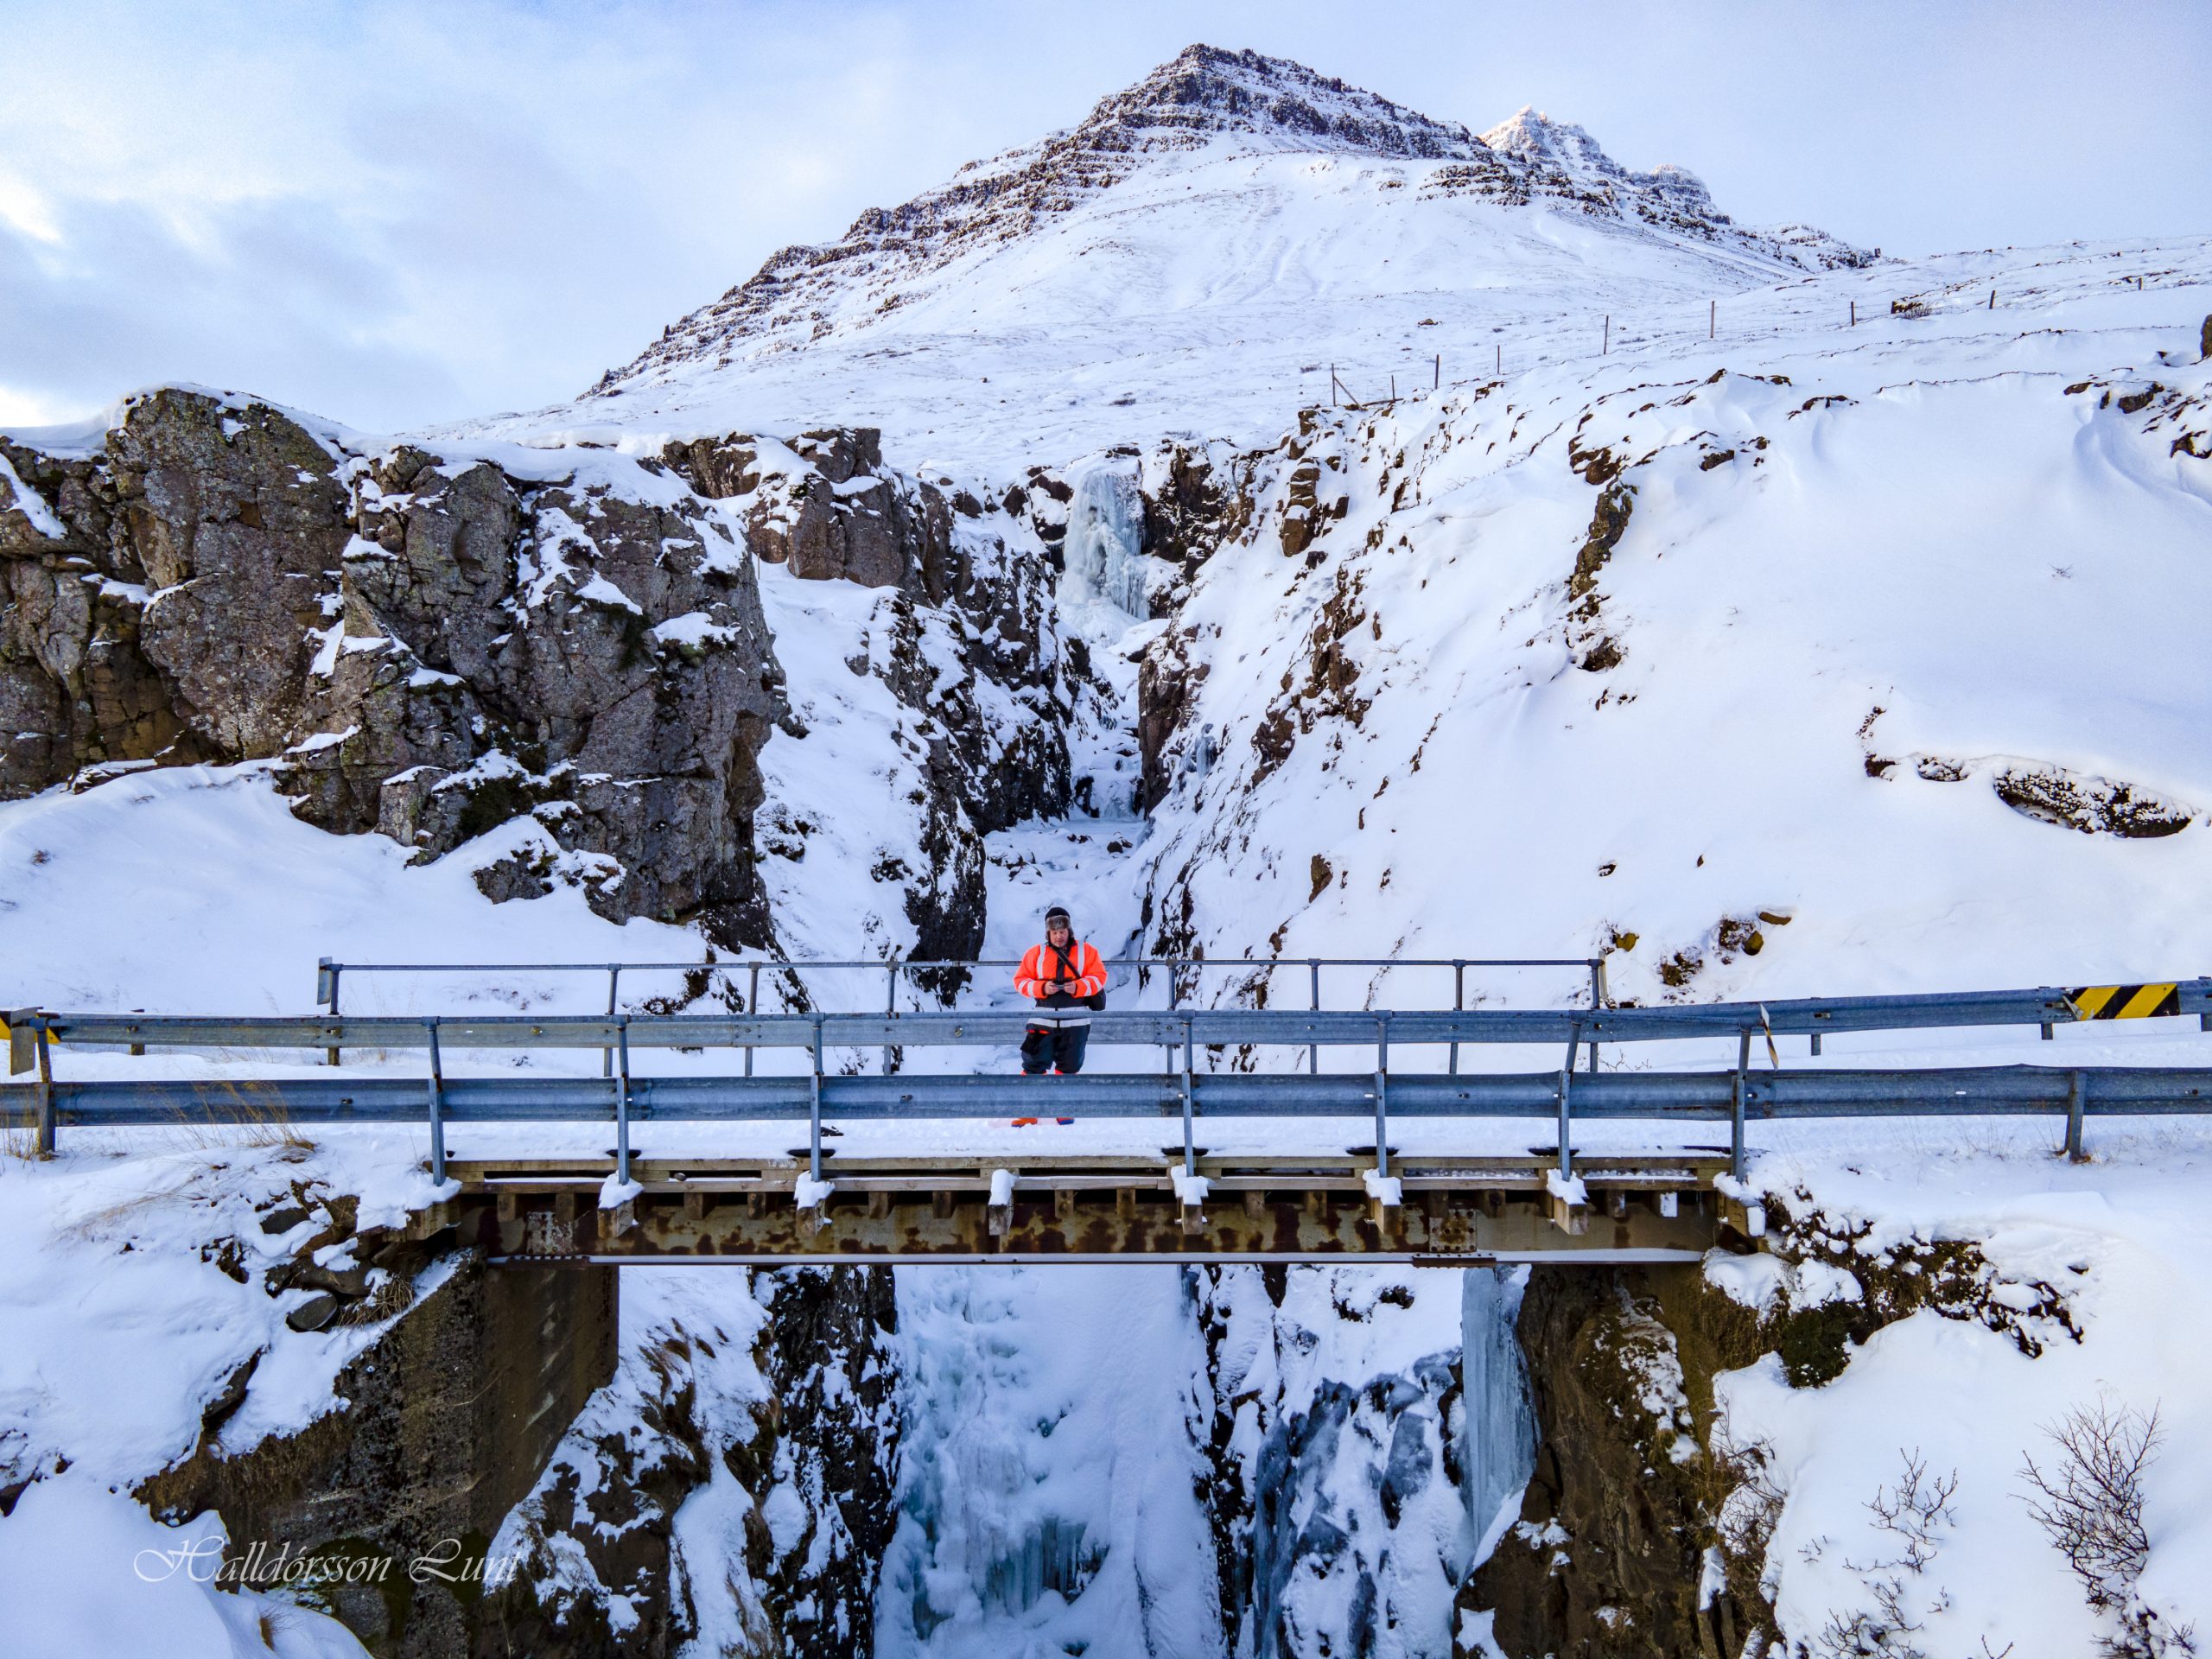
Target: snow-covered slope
x: 1760, y: 671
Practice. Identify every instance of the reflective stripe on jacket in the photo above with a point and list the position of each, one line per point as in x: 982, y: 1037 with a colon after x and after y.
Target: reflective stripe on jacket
x: 1043, y: 964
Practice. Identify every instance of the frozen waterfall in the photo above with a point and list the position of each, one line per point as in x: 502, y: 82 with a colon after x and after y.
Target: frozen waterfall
x: 1501, y: 1428
x: 1104, y: 548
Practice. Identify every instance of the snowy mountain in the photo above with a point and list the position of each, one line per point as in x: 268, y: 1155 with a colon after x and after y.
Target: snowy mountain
x: 1232, y: 216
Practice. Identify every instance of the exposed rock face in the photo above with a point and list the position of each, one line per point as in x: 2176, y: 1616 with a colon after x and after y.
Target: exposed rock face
x: 784, y: 1432
x: 1634, y: 1467
x: 160, y: 596
x: 832, y: 1439
x: 446, y: 1419
x: 962, y: 632
x: 1334, y: 1485
x: 433, y: 648
x: 1606, y: 1558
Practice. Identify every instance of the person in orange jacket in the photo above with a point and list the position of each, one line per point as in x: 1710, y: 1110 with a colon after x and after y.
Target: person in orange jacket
x: 1066, y: 979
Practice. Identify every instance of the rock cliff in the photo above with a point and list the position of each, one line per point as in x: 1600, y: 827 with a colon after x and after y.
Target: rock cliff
x: 569, y: 642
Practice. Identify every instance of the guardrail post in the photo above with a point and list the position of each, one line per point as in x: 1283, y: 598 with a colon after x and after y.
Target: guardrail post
x: 1381, y: 1097
x: 1736, y: 1104
x: 890, y: 1006
x: 751, y: 1008
x: 437, y: 1106
x: 1597, y: 1004
x: 2045, y: 1031
x: 1190, y: 1152
x: 622, y: 1104
x: 1459, y: 1006
x: 1565, y: 1099
x: 1167, y: 1050
x: 1313, y: 1050
x: 47, y: 1130
x: 2077, y: 1091
x: 335, y: 969
x: 607, y: 1055
x: 814, y: 1109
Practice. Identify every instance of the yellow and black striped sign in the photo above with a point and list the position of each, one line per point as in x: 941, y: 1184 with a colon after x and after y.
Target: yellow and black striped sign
x: 2124, y: 1001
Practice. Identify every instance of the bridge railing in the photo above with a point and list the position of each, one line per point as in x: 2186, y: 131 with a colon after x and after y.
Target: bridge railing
x: 1181, y: 1088
x: 919, y: 974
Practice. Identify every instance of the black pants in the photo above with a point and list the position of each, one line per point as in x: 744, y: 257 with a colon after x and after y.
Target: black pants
x: 1057, y: 1046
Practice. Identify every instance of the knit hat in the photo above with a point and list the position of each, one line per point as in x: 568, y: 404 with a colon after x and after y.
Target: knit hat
x: 1055, y: 913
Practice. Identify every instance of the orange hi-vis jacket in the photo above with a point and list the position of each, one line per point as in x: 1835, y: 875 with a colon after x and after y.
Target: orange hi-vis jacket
x: 1079, y: 962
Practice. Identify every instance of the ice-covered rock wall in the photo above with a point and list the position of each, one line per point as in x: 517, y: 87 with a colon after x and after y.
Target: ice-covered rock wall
x: 1231, y: 1463
x: 1052, y: 1422
x: 1500, y: 1450
x: 1104, y: 548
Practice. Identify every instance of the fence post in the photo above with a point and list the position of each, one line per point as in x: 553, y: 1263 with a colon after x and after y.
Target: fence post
x: 1736, y: 1105
x: 1854, y: 313
x: 1712, y: 315
x: 2077, y: 1091
x: 1333, y: 386
x: 47, y: 1132
x: 1498, y: 365
x: 1606, y: 350
x: 1383, y: 1096
x: 753, y: 1007
x: 1313, y: 1050
x: 437, y: 1107
x: 1438, y: 383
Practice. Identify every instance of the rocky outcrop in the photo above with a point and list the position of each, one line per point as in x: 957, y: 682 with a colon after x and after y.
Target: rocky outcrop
x: 832, y: 1438
x: 1607, y: 1556
x: 1334, y: 1482
x: 785, y: 1434
x: 432, y: 646
x: 438, y: 1428
x: 1644, y: 1528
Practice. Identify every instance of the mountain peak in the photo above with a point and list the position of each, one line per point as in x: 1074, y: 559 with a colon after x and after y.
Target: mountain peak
x: 1205, y: 91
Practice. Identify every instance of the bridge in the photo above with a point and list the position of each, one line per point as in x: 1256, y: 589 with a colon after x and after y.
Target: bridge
x: 771, y: 1186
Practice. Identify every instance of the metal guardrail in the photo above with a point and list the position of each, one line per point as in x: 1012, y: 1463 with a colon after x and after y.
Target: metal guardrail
x: 330, y: 977
x: 1740, y: 1095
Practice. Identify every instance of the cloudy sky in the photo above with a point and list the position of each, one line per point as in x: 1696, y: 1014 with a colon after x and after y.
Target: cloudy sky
x: 397, y: 214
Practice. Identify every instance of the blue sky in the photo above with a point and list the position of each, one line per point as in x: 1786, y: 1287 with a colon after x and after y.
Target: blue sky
x: 399, y: 213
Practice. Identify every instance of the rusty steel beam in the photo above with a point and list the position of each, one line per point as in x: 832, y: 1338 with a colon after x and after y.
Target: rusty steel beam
x: 1092, y: 1211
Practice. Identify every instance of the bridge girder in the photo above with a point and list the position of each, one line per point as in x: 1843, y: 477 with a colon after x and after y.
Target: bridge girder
x: 895, y: 1211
